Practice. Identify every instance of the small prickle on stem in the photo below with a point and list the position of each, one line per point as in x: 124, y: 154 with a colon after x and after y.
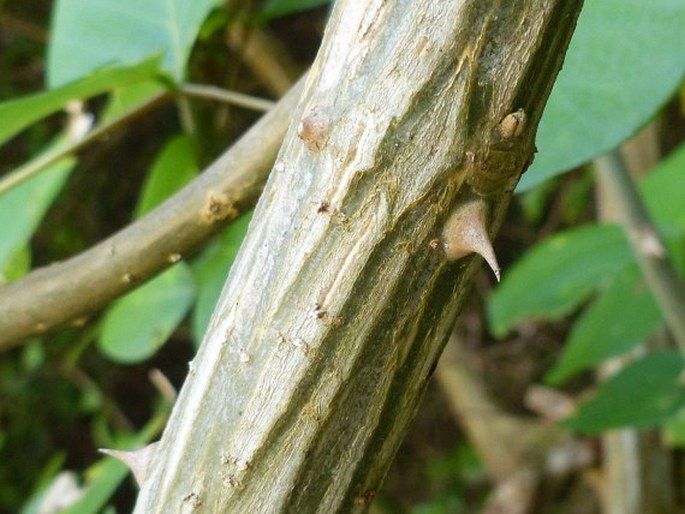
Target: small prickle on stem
x: 466, y: 232
x: 137, y: 461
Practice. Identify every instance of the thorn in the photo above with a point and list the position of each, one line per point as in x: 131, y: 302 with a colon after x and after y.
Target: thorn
x: 138, y: 461
x: 466, y: 232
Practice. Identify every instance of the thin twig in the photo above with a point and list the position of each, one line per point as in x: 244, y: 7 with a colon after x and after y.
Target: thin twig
x: 646, y: 243
x: 525, y: 457
x: 23, y: 173
x: 227, y: 96
x: 19, y: 175
x: 71, y: 290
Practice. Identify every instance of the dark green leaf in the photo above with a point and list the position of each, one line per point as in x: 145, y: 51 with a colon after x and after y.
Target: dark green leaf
x: 533, y: 201
x: 557, y: 275
x: 645, y: 393
x: 277, y: 8
x: 622, y: 317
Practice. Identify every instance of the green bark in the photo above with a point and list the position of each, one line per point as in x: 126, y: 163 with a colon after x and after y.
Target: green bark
x: 340, y: 301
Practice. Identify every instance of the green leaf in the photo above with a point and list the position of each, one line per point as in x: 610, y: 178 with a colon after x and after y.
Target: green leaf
x: 17, y: 264
x: 211, y: 269
x: 18, y: 114
x: 674, y: 430
x: 645, y: 393
x: 126, y: 98
x: 22, y: 208
x: 557, y: 275
x: 106, y: 475
x: 278, y: 8
x: 174, y: 167
x: 88, y: 34
x: 45, y: 478
x: 664, y: 190
x: 623, y: 316
x: 612, y: 82
x: 141, y: 322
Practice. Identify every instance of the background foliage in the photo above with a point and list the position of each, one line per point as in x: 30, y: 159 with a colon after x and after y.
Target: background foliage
x: 566, y: 276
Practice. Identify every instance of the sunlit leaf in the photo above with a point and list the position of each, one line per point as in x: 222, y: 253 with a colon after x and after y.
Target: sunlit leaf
x: 126, y: 98
x: 18, y: 114
x: 88, y: 34
x: 16, y: 265
x: 22, y: 208
x: 674, y: 429
x: 174, y: 167
x: 626, y: 58
x: 664, y: 190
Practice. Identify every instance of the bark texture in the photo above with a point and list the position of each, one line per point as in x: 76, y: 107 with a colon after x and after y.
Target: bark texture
x: 341, y: 299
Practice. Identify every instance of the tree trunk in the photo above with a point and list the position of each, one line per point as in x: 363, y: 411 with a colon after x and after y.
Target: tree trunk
x: 342, y: 297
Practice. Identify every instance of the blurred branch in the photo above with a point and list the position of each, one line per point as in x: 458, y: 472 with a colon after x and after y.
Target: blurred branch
x: 499, y: 438
x: 646, y: 243
x: 227, y: 96
x: 264, y: 55
x: 25, y: 172
x: 23, y: 28
x: 520, y: 455
x: 636, y: 466
x: 71, y: 290
x: 515, y: 494
x: 637, y: 473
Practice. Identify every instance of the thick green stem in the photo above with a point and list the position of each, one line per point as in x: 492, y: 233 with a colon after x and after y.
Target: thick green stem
x: 341, y: 299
